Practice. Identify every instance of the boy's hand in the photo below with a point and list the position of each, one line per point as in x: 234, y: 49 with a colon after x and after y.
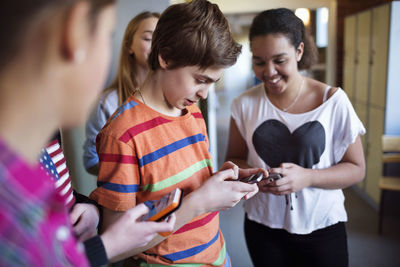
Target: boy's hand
x: 218, y: 194
x: 239, y: 173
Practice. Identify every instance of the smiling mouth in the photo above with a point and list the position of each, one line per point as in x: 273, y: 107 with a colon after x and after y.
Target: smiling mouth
x: 273, y: 81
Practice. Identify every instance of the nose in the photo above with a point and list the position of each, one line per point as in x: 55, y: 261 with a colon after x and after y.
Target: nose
x: 203, y: 92
x: 269, y: 70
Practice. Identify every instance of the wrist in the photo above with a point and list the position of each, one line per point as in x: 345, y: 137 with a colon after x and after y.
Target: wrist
x: 108, y: 247
x: 311, y: 173
x: 194, y: 204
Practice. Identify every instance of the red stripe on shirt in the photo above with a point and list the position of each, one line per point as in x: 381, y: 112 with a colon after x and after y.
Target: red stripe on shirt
x: 197, y: 115
x: 104, y: 157
x: 198, y: 223
x: 131, y: 132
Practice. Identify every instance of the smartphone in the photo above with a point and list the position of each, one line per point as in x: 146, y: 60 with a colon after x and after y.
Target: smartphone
x: 275, y: 176
x: 252, y: 179
x: 162, y: 208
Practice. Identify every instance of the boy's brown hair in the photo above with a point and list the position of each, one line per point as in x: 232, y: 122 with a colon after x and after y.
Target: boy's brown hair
x: 193, y: 34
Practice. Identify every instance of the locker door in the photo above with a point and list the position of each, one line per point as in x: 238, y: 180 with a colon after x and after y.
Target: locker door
x: 349, y: 70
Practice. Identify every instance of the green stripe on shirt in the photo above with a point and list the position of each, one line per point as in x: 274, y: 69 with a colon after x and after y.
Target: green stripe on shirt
x: 218, y: 262
x: 179, y: 177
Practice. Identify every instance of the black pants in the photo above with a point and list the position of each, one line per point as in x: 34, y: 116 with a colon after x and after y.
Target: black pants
x: 278, y: 248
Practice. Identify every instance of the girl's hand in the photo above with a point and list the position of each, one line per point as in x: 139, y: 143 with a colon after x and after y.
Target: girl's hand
x: 294, y: 178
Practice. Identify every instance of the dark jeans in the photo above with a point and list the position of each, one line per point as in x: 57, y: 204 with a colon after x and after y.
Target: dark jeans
x: 278, y: 248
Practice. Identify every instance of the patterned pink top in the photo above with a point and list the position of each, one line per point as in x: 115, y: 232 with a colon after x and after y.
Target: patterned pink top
x: 34, y: 226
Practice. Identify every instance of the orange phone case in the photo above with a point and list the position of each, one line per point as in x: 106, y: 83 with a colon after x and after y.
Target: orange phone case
x: 162, y: 208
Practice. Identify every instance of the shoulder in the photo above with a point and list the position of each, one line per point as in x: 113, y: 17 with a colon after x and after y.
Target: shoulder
x: 110, y: 99
x: 321, y: 89
x: 126, y: 116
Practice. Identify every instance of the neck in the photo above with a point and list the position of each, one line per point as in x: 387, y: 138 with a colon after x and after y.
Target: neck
x: 153, y: 95
x: 140, y: 74
x: 287, y: 99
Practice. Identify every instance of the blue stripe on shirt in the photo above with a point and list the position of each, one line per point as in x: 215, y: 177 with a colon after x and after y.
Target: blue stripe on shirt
x: 191, y: 251
x: 121, y: 188
x: 153, y: 156
x: 126, y: 106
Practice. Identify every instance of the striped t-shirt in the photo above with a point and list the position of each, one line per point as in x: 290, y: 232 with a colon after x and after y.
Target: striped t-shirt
x: 144, y: 155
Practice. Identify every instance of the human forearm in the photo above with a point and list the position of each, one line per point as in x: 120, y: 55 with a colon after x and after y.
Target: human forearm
x: 338, y: 176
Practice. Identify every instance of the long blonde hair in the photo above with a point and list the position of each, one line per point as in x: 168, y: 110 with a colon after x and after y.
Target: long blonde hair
x: 125, y: 82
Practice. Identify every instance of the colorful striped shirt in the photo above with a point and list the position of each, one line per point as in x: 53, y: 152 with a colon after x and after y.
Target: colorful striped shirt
x: 144, y: 155
x: 35, y: 229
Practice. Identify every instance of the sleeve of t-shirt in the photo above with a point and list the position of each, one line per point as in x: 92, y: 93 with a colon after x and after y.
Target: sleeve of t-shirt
x: 95, y: 123
x: 347, y: 126
x: 118, y: 180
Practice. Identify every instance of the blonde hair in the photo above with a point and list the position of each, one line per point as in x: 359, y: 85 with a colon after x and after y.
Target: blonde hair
x: 125, y: 82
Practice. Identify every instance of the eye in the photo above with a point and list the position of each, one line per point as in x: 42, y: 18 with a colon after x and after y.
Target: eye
x: 280, y: 61
x: 258, y: 63
x: 201, y: 81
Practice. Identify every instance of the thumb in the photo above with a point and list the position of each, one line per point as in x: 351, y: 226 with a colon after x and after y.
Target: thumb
x: 75, y: 214
x: 287, y: 165
x: 139, y: 211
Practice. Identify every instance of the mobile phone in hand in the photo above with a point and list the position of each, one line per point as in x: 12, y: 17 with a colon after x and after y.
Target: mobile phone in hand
x: 162, y: 208
x: 252, y: 179
x: 274, y: 176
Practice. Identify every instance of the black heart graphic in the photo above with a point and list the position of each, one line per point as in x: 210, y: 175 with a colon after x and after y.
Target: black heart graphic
x: 275, y: 144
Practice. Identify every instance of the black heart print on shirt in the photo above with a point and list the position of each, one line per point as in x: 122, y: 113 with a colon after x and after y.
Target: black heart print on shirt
x: 275, y: 144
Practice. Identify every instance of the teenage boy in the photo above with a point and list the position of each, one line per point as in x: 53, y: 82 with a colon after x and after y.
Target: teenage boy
x: 157, y: 140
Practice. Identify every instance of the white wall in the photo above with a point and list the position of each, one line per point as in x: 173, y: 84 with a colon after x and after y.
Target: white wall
x: 73, y: 139
x: 392, y: 123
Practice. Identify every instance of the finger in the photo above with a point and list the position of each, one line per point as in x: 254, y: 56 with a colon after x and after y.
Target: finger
x: 245, y: 188
x: 225, y: 174
x: 227, y: 165
x: 164, y: 226
x: 236, y: 171
x: 79, y: 228
x: 286, y: 165
x: 277, y: 170
x: 75, y: 214
x: 251, y: 194
x: 250, y: 171
x: 139, y: 211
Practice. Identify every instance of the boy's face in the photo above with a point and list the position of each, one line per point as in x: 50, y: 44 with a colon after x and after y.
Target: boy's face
x: 185, y: 86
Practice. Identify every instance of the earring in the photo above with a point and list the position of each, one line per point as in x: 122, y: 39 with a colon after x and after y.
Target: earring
x: 79, y: 55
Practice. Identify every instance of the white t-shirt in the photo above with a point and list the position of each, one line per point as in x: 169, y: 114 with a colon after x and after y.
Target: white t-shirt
x: 316, y: 139
x: 98, y: 118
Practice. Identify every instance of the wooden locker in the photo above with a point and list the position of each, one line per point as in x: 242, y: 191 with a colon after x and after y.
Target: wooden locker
x: 350, y: 24
x: 379, y: 55
x: 363, y: 49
